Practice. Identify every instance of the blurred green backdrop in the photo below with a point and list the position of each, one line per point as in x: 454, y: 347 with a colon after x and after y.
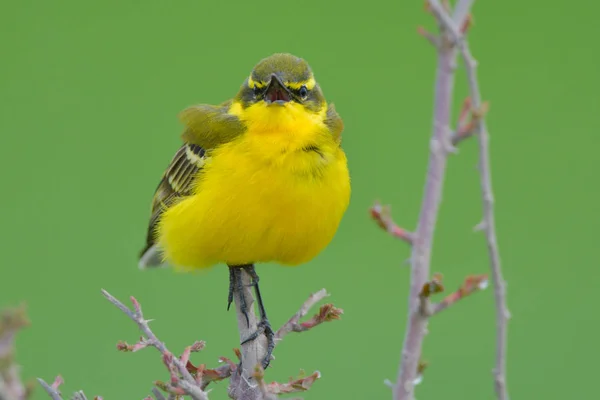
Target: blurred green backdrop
x: 89, y: 97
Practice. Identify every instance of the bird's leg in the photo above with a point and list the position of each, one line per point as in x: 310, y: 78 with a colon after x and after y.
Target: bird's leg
x: 231, y: 287
x: 263, y: 326
x: 236, y: 284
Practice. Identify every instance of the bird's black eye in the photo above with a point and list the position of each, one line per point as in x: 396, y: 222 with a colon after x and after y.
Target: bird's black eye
x: 303, y: 92
x: 256, y: 91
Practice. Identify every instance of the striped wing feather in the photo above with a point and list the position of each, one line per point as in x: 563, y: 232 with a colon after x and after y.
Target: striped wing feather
x: 177, y: 182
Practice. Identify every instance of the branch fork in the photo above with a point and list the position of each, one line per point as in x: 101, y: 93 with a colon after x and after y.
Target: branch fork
x: 187, y: 379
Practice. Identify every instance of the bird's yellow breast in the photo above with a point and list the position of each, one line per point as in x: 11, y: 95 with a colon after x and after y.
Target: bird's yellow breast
x: 277, y: 193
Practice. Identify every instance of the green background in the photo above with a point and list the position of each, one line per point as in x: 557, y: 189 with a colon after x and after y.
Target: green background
x: 89, y: 97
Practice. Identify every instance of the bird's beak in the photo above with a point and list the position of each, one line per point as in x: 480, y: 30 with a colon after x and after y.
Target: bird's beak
x: 276, y: 92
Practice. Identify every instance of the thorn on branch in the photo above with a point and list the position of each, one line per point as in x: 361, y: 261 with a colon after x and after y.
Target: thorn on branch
x: 479, y: 227
x: 382, y: 215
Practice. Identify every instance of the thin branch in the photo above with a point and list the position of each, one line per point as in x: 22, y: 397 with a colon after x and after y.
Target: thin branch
x: 462, y: 11
x: 158, y: 394
x: 191, y: 380
x: 423, y: 240
x: 327, y: 312
x: 452, y: 31
x: 216, y: 374
x: 472, y: 284
x: 51, y: 390
x: 12, y: 320
x: 188, y: 384
x: 259, y: 375
x: 382, y: 215
x: 243, y: 385
x: 431, y: 38
x: 79, y: 396
x: 502, y: 313
x: 300, y: 384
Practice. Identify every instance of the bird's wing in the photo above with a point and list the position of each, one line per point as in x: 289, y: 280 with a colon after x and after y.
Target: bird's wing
x: 177, y: 182
x: 334, y: 123
x: 206, y: 128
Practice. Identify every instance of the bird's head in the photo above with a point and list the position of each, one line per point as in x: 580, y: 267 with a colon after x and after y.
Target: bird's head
x: 280, y: 88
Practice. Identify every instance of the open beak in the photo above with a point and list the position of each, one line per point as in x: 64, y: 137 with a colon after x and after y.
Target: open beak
x: 276, y: 92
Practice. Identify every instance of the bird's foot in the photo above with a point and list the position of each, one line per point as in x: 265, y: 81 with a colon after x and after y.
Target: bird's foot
x: 264, y: 327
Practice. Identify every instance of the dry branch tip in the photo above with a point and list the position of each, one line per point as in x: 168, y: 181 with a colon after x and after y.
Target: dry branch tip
x: 382, y: 215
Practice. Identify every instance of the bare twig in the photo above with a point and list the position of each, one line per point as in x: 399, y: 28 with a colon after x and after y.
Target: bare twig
x: 186, y: 382
x: 453, y: 25
x: 462, y: 11
x: 158, y: 394
x: 471, y: 284
x: 300, y: 384
x: 79, y: 396
x: 431, y: 38
x: 421, y: 245
x: 55, y: 394
x: 382, y: 215
x: 12, y: 320
x: 51, y: 390
x: 502, y: 313
x: 327, y: 312
x: 259, y: 375
x: 191, y: 380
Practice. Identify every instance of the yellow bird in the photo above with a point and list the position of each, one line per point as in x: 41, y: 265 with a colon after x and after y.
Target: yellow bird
x: 259, y: 178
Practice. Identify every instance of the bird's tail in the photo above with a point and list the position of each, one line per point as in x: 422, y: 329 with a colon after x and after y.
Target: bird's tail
x: 151, y: 257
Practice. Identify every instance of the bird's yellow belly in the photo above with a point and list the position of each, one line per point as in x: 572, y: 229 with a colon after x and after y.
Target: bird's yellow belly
x: 246, y: 211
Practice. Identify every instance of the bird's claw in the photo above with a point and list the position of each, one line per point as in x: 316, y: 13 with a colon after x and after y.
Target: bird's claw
x: 263, y: 327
